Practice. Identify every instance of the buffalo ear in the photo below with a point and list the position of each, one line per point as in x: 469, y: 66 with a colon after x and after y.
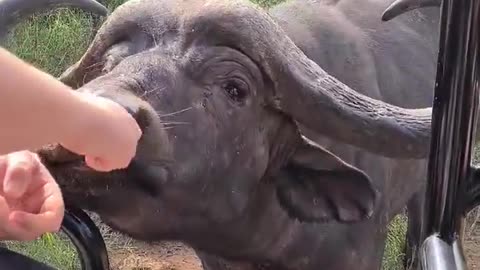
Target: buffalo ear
x: 317, y: 186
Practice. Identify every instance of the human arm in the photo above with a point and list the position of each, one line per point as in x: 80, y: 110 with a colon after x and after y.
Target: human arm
x: 36, y: 109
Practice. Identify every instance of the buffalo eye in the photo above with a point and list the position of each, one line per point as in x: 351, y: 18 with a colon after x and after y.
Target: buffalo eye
x: 236, y: 89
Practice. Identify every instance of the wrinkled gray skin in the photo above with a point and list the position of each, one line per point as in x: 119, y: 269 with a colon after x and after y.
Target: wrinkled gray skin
x: 393, y: 61
x: 220, y: 92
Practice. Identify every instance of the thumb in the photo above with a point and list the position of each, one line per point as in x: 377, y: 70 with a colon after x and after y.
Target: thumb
x: 28, y: 226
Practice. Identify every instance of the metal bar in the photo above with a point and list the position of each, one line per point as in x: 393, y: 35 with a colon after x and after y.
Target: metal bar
x: 87, y: 239
x: 454, y: 114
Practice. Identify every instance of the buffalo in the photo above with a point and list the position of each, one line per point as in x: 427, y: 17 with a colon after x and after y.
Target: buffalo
x: 278, y: 139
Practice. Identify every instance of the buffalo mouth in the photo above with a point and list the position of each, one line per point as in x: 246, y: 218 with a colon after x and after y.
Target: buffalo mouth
x: 75, y: 177
x: 55, y: 156
x: 69, y: 169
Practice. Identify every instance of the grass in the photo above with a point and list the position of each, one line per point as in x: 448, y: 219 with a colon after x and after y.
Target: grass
x: 55, y: 41
x: 53, y: 249
x: 393, y: 256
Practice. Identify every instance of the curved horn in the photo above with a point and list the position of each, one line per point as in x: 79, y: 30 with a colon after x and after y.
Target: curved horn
x: 109, y: 36
x: 12, y: 11
x: 307, y: 93
x: 302, y: 89
x: 401, y: 6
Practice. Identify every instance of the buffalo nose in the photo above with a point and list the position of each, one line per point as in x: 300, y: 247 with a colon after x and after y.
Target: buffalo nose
x: 138, y: 113
x: 142, y: 118
x: 132, y: 112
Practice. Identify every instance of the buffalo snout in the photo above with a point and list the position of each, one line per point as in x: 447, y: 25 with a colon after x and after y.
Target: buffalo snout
x: 55, y: 154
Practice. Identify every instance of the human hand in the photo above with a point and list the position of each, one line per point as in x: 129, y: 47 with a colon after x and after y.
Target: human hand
x: 31, y: 202
x: 110, y: 140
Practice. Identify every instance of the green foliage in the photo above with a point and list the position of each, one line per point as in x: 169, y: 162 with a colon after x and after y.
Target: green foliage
x: 394, y: 250
x: 267, y: 3
x: 54, y: 42
x: 53, y: 249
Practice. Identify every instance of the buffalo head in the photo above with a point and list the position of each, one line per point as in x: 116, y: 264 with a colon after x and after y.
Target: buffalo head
x: 218, y: 89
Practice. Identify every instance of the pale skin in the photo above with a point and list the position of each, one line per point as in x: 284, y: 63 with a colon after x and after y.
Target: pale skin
x: 31, y: 202
x: 36, y: 110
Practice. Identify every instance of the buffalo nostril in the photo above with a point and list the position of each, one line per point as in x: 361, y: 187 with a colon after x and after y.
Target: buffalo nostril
x: 130, y: 111
x: 140, y: 115
x: 133, y: 107
x: 143, y: 119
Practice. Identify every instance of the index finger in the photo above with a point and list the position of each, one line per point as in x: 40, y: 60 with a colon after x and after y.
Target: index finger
x: 27, y: 226
x: 51, y: 211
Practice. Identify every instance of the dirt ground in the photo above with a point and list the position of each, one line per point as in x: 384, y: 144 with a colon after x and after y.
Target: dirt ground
x: 472, y: 250
x: 165, y: 256
x: 471, y: 244
x: 128, y: 254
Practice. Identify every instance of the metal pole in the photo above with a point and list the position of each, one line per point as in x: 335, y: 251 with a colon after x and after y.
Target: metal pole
x: 87, y: 239
x: 454, y: 114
